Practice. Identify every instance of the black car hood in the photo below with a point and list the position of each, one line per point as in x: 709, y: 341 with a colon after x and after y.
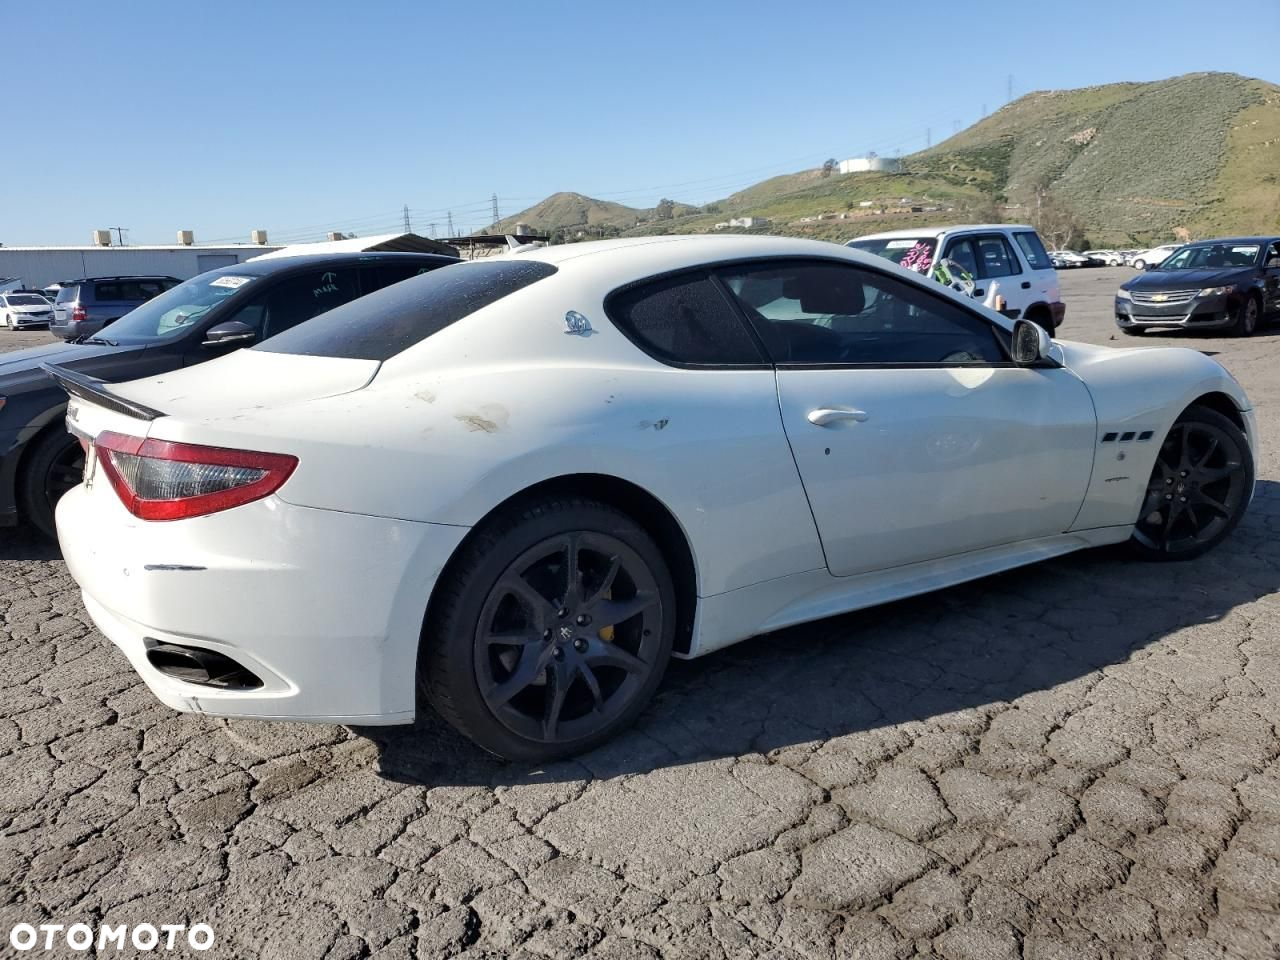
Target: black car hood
x: 1181, y: 279
x: 63, y: 354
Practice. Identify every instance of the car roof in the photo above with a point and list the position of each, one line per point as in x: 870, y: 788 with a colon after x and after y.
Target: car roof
x: 123, y: 276
x: 907, y: 233
x: 1201, y: 243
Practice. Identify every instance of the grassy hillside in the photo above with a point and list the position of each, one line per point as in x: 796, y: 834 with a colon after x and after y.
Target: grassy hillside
x: 1135, y: 162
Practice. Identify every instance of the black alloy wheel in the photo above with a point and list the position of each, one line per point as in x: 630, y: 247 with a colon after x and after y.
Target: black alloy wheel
x: 53, y: 465
x: 1246, y: 318
x: 553, y: 632
x: 1199, y: 488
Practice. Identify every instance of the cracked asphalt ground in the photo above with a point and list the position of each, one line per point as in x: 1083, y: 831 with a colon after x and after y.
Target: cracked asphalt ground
x: 1073, y: 760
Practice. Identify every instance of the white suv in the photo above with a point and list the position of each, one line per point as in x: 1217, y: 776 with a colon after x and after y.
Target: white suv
x: 1010, y: 255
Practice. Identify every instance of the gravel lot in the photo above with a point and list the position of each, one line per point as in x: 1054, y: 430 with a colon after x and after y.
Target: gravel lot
x: 1073, y: 760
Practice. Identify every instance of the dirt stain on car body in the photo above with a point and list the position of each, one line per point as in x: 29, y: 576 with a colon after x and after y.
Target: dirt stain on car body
x: 490, y: 418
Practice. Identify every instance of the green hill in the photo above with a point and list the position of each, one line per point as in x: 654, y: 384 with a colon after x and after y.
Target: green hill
x: 1134, y: 162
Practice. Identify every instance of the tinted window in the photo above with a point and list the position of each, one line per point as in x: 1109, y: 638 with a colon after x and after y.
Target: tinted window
x: 995, y: 258
x: 683, y: 319
x: 295, y: 299
x: 384, y: 323
x: 106, y: 291
x: 1033, y: 250
x: 825, y: 313
x: 1213, y: 256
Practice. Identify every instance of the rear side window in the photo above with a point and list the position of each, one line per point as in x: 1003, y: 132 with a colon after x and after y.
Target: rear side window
x: 683, y: 319
x: 106, y: 291
x: 1033, y: 250
x: 996, y: 259
x: 66, y: 294
x: 379, y: 275
x: 391, y: 320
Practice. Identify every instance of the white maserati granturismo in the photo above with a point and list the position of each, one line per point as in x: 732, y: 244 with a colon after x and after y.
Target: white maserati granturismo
x: 518, y: 486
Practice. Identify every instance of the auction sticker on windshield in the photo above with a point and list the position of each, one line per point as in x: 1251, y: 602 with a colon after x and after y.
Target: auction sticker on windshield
x: 232, y: 282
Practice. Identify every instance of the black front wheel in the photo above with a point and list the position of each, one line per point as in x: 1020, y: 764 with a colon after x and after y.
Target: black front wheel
x: 551, y: 631
x: 53, y: 465
x: 1246, y: 321
x: 1199, y: 489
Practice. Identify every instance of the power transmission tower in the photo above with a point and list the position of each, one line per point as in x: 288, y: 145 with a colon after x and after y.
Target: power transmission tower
x: 451, y: 223
x: 928, y: 137
x: 496, y: 218
x: 955, y: 127
x: 433, y: 231
x: 984, y: 111
x: 408, y: 228
x: 1009, y: 89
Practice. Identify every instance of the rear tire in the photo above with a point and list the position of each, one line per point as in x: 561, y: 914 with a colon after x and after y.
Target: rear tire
x: 1139, y: 264
x: 535, y: 656
x: 51, y: 467
x: 1199, y: 488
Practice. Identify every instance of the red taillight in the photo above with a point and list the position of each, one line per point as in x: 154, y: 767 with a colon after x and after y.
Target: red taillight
x: 163, y: 480
x: 78, y: 313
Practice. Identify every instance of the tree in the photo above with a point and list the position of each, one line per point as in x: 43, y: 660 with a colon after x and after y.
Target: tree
x: 665, y: 209
x: 829, y: 166
x: 1054, y: 219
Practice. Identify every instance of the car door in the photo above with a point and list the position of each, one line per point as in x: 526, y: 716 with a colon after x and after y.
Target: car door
x: 915, y: 436
x: 1271, y: 279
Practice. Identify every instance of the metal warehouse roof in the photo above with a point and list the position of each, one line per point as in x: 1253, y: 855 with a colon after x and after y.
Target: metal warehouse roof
x: 381, y: 243
x: 93, y: 248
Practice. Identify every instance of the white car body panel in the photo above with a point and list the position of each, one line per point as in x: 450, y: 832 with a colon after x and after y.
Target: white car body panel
x: 956, y: 473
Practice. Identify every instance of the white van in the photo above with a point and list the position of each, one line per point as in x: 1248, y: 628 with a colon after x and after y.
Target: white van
x: 1009, y: 254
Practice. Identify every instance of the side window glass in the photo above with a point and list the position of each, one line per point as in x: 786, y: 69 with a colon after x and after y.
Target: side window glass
x: 107, y: 291
x: 1033, y: 250
x: 995, y: 258
x: 385, y: 274
x: 300, y: 298
x: 826, y: 313
x: 683, y: 319
x: 149, y: 288
x: 961, y: 251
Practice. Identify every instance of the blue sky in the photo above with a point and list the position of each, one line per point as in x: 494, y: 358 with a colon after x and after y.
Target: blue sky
x: 223, y: 116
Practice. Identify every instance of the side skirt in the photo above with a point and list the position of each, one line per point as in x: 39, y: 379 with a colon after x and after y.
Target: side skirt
x: 727, y: 618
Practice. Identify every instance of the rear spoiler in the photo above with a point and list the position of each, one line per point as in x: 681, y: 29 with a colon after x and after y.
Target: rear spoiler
x: 96, y: 392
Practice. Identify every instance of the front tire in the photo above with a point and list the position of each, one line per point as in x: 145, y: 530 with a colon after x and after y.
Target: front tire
x: 52, y: 466
x: 551, y: 630
x: 1246, y: 321
x: 1139, y: 264
x: 1199, y: 488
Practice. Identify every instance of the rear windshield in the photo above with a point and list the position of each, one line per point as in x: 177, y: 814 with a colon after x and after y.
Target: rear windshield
x: 914, y: 253
x: 68, y: 293
x: 26, y: 300
x: 387, y: 322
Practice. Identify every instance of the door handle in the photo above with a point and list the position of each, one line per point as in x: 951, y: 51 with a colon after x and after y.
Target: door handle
x: 825, y: 416
x: 1026, y: 284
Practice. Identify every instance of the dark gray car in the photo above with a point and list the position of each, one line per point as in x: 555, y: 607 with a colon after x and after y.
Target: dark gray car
x: 87, y: 305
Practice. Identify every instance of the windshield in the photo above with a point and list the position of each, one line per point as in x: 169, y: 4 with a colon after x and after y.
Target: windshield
x: 26, y: 300
x: 172, y: 313
x: 914, y: 253
x: 1213, y: 256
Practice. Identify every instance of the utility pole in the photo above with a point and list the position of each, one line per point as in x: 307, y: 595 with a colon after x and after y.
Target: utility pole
x: 408, y: 227
x: 984, y: 111
x: 119, y: 235
x: 496, y: 218
x: 451, y: 223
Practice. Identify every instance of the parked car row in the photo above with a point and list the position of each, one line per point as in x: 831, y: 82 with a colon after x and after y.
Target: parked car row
x: 1231, y: 283
x: 516, y: 487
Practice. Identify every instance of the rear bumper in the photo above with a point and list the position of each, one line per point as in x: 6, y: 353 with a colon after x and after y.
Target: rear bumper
x: 324, y: 608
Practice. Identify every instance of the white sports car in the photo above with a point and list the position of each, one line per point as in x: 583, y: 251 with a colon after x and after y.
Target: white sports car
x: 520, y: 485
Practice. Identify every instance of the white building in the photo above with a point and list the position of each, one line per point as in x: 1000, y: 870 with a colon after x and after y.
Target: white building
x: 40, y: 266
x: 871, y: 163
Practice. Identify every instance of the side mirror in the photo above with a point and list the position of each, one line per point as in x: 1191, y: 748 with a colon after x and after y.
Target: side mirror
x: 1031, y: 345
x: 232, y: 331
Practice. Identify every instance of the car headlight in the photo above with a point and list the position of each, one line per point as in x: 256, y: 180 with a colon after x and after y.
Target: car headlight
x: 1216, y: 291
x: 1123, y: 294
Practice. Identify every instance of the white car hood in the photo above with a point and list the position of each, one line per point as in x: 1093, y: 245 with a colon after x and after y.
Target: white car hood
x: 247, y: 380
